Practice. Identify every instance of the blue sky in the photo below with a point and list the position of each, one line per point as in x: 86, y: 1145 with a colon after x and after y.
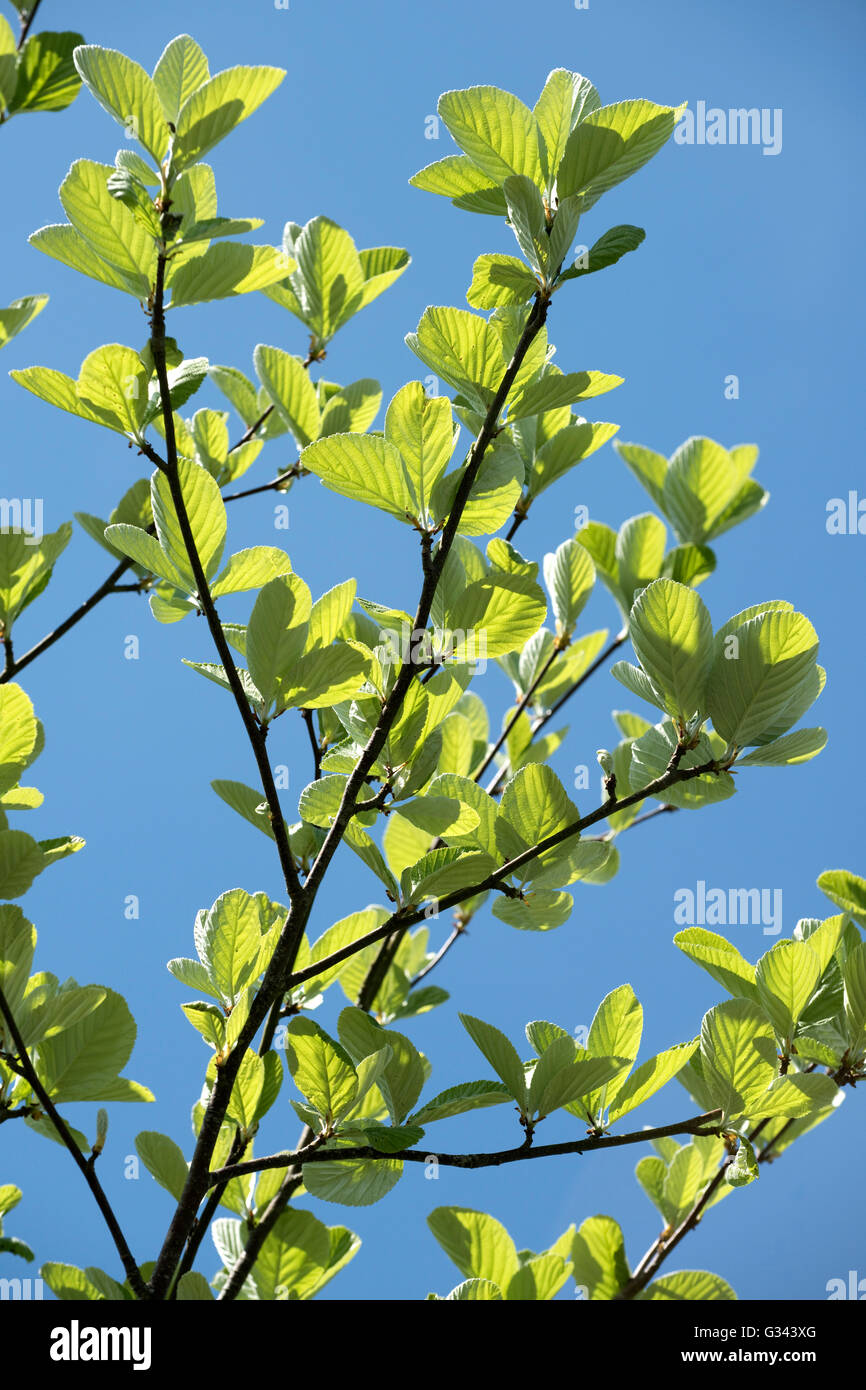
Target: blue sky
x: 748, y: 269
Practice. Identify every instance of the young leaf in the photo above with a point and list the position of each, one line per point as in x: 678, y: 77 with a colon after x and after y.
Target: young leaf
x: 672, y: 635
x: 495, y: 129
x: 479, y: 1245
x: 501, y: 1055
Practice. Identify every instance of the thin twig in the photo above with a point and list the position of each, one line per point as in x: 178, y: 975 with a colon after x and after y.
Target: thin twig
x: 26, y: 22
x: 440, y: 955
x: 110, y: 584
x: 520, y: 707
x: 308, y: 717
x: 402, y: 918
x: 544, y: 718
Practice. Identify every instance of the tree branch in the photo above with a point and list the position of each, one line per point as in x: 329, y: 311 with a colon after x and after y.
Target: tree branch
x: 84, y: 1165
x: 697, y: 1125
x: 308, y: 718
x: 521, y: 706
x: 26, y: 22
x: 402, y: 918
x: 545, y: 718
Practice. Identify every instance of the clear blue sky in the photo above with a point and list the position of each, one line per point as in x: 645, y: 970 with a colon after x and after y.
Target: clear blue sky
x: 751, y: 266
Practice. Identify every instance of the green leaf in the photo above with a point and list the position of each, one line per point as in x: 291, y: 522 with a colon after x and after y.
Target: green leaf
x: 493, y: 494
x: 250, y: 569
x: 566, y: 99
x: 21, y: 860
x: 17, y: 944
x: 786, y: 978
x: 366, y: 468
x: 277, y: 634
x: 321, y: 1069
x: 617, y: 1026
x: 495, y: 129
x: 598, y: 1253
x: 567, y: 448
x: 293, y: 1258
x: 539, y: 1279
x: 457, y: 1100
x: 112, y: 383
x: 352, y: 408
x: 554, y: 390
x: 738, y: 1055
x: 228, y: 940
x: 291, y: 390
x: 651, y: 755
x: 182, y: 68
x: 19, y: 733
x: 331, y: 276
x: 83, y: 1062
x: 612, y: 143
x: 650, y: 1077
x: 559, y: 1080
x: 192, y: 1287
x: 497, y: 280
x: 672, y: 635
x: 528, y: 220
x: 854, y: 975
x: 247, y: 1091
x: 355, y: 1182
x: 18, y: 314
x: 759, y: 672
x: 744, y: 1168
x: 67, y: 1282
x: 720, y: 959
x: 421, y: 428
x: 539, y: 909
x: 126, y: 92
x: 163, y: 1160
x: 107, y: 227
x: 689, y: 1285
x: 457, y: 178
x: 473, y: 1291
x: 226, y: 269
x: 403, y: 1075
x: 610, y: 248
x: 569, y: 575
x: 704, y: 489
x: 788, y: 751
x: 216, y: 107
x: 496, y: 614
x: 847, y: 890
x: 501, y: 1055
x: 46, y: 75
x: 478, y: 1244
x: 463, y: 349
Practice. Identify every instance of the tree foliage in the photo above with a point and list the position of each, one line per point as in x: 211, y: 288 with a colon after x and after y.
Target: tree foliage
x: 409, y: 771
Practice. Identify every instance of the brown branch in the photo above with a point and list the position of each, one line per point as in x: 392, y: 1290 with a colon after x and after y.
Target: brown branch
x: 110, y: 584
x: 432, y: 567
x: 520, y: 707
x: 456, y: 933
x: 698, y: 1125
x: 84, y: 1165
x: 26, y: 22
x: 308, y: 718
x: 545, y: 718
x: 404, y: 918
